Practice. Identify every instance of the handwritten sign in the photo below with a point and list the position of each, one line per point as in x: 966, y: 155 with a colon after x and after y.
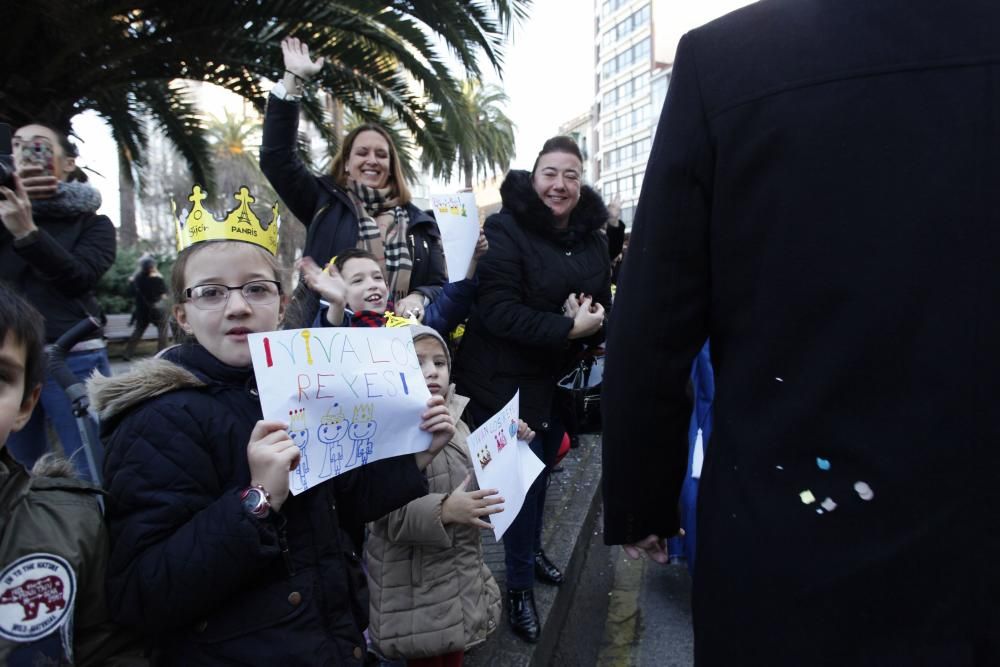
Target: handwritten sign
x: 458, y: 219
x: 349, y: 396
x: 503, y: 462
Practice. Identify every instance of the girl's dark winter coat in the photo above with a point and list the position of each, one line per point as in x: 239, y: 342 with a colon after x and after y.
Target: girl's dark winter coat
x: 203, y: 580
x: 516, y: 337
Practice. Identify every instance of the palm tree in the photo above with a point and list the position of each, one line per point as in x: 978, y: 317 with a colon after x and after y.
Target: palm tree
x: 486, y: 141
x: 235, y: 143
x: 60, y: 58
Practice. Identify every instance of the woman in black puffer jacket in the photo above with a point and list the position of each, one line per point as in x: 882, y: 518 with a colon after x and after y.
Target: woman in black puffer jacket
x: 363, y: 203
x: 544, y: 286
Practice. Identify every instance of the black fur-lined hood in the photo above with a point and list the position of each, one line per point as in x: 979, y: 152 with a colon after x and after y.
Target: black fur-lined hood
x: 522, y: 202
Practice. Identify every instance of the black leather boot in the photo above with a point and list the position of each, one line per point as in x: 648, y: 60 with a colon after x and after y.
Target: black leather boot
x: 546, y: 571
x: 522, y: 614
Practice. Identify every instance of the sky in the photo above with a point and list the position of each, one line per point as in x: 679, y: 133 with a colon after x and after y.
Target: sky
x: 548, y: 74
x: 549, y: 69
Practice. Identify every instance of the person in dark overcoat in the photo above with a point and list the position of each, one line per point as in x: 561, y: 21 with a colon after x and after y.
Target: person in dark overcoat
x: 544, y: 286
x: 820, y: 200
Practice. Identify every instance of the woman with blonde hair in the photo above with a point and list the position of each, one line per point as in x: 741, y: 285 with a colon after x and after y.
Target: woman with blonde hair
x: 363, y: 203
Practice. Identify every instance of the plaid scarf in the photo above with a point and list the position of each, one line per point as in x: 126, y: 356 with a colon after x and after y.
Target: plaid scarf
x: 366, y: 318
x: 382, y: 227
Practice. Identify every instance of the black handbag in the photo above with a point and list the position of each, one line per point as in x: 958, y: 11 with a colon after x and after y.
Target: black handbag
x: 578, y: 394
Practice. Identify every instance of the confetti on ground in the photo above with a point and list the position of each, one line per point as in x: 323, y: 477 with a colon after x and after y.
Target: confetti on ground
x: 819, y: 511
x: 780, y: 467
x: 822, y: 464
x: 829, y: 505
x: 779, y: 379
x: 807, y: 497
x: 864, y: 491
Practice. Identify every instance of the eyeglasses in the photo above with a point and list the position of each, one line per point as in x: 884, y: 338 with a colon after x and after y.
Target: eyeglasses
x: 214, y: 297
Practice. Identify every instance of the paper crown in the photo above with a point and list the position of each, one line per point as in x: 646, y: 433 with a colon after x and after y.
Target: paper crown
x: 239, y: 224
x: 332, y: 417
x: 297, y: 420
x: 394, y: 320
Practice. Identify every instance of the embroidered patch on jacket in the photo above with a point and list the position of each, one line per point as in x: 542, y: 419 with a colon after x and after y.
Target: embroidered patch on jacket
x: 37, y: 593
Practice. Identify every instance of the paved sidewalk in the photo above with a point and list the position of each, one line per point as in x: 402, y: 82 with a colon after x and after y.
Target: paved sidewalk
x: 571, y: 506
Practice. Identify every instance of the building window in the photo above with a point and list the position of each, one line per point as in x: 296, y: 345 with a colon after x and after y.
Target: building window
x: 630, y: 56
x: 623, y: 92
x: 619, y: 31
x: 627, y: 122
x: 624, y: 156
x: 611, y: 6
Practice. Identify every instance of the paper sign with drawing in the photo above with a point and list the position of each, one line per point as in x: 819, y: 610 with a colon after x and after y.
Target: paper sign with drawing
x: 458, y: 220
x: 349, y: 396
x: 503, y: 462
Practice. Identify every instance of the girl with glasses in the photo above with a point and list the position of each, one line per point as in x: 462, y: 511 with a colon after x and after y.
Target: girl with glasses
x: 211, y: 558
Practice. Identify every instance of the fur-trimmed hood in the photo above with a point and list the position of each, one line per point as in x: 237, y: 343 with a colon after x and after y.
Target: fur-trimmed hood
x: 113, y: 396
x: 522, y: 202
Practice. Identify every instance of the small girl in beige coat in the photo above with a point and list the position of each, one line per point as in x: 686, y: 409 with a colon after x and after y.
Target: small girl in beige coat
x: 432, y: 597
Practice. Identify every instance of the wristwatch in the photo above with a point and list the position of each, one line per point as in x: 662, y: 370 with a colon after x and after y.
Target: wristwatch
x: 279, y: 91
x: 256, y: 501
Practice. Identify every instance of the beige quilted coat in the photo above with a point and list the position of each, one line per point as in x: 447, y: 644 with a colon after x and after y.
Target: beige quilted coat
x: 430, y: 591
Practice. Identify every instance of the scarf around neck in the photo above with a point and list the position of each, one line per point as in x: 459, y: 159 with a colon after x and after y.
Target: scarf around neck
x: 71, y: 199
x: 382, y: 228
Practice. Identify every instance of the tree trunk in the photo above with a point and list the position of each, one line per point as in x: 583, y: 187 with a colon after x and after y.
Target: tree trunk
x: 467, y: 168
x: 335, y: 110
x: 128, y: 233
x: 291, y: 239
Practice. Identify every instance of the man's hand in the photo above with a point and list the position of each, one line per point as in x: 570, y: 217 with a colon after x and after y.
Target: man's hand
x: 411, y: 306
x: 15, y: 210
x: 653, y: 546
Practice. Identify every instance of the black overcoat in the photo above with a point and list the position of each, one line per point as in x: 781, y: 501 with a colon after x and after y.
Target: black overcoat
x: 821, y: 201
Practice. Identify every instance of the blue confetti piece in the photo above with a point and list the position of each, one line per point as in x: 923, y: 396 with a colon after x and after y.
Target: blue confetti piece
x: 822, y: 464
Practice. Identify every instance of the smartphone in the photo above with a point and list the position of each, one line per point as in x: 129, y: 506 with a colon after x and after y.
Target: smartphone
x: 6, y: 157
x: 38, y: 152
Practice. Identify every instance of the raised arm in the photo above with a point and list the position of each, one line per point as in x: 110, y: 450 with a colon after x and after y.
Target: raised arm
x: 279, y: 159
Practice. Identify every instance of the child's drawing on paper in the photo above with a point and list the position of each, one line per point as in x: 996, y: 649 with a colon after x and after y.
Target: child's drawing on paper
x: 501, y: 441
x: 349, y: 396
x: 298, y: 431
x: 332, y: 429
x: 484, y: 457
x: 362, y: 431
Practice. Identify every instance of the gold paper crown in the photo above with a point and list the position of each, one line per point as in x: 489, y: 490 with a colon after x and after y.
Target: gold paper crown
x: 239, y: 224
x: 364, y: 412
x: 297, y: 420
x: 394, y: 320
x: 332, y: 417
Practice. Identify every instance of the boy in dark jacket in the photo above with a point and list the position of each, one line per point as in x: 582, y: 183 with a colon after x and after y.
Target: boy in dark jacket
x: 355, y: 288
x: 53, y: 545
